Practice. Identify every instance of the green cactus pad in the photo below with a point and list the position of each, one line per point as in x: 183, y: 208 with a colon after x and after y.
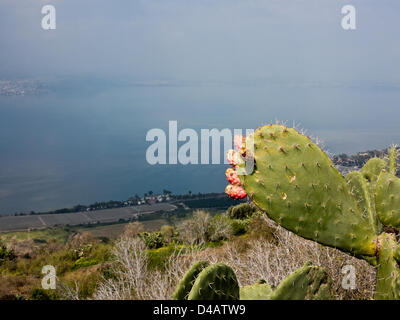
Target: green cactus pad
x: 359, y: 189
x: 396, y: 254
x: 306, y: 283
x: 297, y: 185
x: 216, y: 282
x: 186, y: 284
x: 393, y: 160
x: 387, y: 276
x: 372, y: 169
x: 387, y: 199
x: 258, y: 291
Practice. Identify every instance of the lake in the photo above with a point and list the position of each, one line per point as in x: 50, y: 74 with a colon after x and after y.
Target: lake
x: 83, y: 143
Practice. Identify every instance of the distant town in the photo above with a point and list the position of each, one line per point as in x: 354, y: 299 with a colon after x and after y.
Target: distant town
x: 149, y: 198
x: 22, y: 87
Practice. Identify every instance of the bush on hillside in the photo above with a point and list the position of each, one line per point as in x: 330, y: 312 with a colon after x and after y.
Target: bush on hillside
x: 242, y: 211
x: 153, y: 240
x: 202, y: 228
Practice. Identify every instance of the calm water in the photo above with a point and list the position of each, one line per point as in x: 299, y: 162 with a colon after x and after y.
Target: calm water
x: 80, y: 146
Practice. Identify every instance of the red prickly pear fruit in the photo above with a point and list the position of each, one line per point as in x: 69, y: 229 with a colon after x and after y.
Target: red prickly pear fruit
x: 238, y: 141
x: 233, y: 157
x: 235, y: 192
x: 240, y: 144
x: 232, y: 177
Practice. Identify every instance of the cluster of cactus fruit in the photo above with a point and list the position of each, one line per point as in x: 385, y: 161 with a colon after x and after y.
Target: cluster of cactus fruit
x: 218, y: 282
x: 296, y: 185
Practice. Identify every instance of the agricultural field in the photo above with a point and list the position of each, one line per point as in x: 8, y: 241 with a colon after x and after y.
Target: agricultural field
x: 113, y: 231
x: 14, y: 223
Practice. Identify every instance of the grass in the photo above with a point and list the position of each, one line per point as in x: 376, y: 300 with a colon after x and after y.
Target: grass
x: 57, y: 234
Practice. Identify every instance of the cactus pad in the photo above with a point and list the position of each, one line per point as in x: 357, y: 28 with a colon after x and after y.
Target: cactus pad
x: 393, y: 160
x: 306, y: 283
x: 185, y: 285
x: 216, y: 282
x: 388, y: 199
x: 359, y: 188
x: 297, y: 185
x: 387, y: 275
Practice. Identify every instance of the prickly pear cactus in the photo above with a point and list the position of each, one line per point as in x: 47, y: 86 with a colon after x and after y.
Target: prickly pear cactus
x: 203, y: 282
x: 186, y: 284
x: 359, y: 188
x: 307, y: 283
x: 297, y: 185
x: 388, y: 271
x: 393, y: 160
x: 218, y: 282
x: 388, y: 199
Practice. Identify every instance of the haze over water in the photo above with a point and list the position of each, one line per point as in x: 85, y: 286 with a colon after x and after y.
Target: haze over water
x: 114, y: 74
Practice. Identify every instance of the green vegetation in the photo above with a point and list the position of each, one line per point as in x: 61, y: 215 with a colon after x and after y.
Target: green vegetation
x: 82, y: 254
x: 242, y: 211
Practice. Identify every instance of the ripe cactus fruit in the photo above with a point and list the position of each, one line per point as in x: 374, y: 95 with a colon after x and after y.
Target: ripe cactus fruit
x: 306, y: 283
x: 233, y: 158
x: 232, y: 176
x: 185, y: 285
x: 216, y: 282
x: 388, y: 199
x: 235, y: 192
x: 238, y: 141
x: 296, y: 184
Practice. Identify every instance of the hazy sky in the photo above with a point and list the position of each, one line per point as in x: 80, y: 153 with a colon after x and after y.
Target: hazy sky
x: 234, y: 40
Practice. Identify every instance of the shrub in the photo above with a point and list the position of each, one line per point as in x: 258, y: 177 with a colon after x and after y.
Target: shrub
x: 41, y: 294
x: 261, y: 227
x: 219, y: 229
x: 201, y: 228
x: 6, y: 254
x: 168, y: 233
x: 153, y: 240
x: 239, y: 226
x: 194, y: 230
x: 133, y: 229
x: 241, y: 211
